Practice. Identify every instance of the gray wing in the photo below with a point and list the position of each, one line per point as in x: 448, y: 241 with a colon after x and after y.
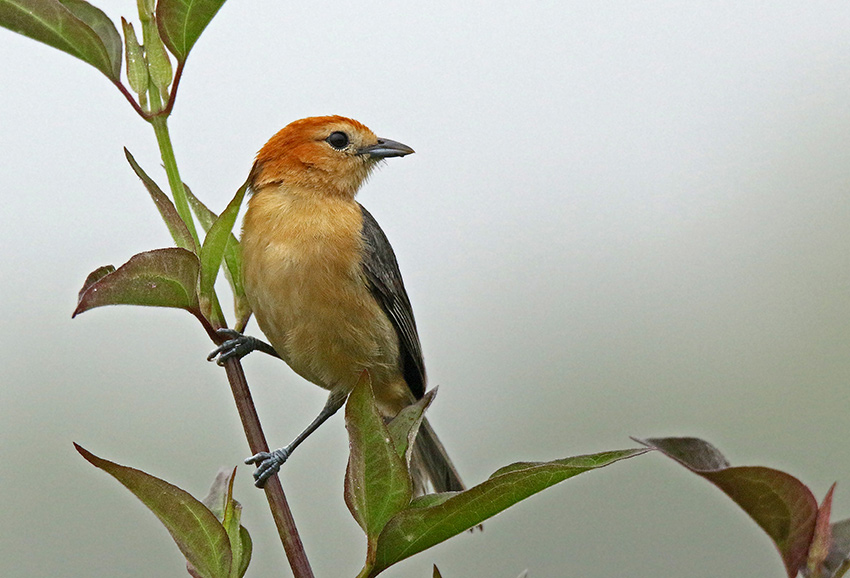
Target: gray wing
x: 385, y: 284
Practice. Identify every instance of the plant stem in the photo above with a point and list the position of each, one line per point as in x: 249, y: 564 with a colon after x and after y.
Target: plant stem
x: 274, y: 491
x: 178, y: 192
x: 160, y: 128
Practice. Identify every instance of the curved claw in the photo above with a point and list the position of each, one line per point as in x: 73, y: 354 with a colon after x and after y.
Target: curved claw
x: 228, y: 332
x: 237, y: 346
x: 268, y: 464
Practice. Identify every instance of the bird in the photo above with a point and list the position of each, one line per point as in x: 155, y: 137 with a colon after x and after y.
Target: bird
x: 324, y: 285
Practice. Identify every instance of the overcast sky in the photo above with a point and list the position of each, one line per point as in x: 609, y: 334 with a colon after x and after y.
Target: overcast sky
x: 622, y: 219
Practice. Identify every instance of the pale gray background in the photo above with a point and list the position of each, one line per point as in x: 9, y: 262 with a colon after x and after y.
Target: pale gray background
x: 622, y: 219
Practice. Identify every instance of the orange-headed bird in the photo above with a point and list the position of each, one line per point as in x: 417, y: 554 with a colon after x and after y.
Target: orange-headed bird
x: 324, y: 284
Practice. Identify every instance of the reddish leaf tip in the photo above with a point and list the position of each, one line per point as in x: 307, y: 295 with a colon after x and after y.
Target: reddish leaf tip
x: 87, y: 455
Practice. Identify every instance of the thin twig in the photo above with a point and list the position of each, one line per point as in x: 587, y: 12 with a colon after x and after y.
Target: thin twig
x: 274, y: 491
x: 175, y: 83
x: 131, y: 99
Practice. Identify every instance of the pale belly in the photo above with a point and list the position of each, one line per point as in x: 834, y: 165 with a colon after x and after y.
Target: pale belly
x: 302, y: 275
x: 318, y: 314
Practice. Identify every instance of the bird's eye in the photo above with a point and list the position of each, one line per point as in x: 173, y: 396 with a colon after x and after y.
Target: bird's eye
x: 338, y: 140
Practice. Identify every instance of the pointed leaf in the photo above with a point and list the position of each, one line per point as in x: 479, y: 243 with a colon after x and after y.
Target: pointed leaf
x: 179, y: 232
x: 240, y: 540
x: 64, y: 27
x: 195, y: 529
x: 181, y: 23
x: 232, y: 259
x: 214, y: 245
x: 437, y: 572
x: 822, y: 538
x: 105, y: 29
x: 159, y: 278
x: 377, y: 483
x: 232, y: 515
x: 421, y: 526
x: 778, y: 502
x: 159, y: 63
x: 228, y: 511
x: 221, y: 491
x: 404, y: 426
x: 137, y: 68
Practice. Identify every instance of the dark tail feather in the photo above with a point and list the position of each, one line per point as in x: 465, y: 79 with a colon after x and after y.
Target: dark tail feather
x: 431, y: 463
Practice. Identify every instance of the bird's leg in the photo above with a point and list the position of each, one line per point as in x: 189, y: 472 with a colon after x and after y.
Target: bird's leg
x: 268, y: 463
x: 238, y: 346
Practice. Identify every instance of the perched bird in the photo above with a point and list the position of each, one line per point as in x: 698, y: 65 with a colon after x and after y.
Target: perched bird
x: 324, y: 284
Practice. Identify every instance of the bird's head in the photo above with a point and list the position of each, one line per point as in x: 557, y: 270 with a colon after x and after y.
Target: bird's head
x: 325, y: 154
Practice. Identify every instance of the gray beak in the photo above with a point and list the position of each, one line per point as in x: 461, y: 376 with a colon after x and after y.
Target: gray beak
x: 385, y: 148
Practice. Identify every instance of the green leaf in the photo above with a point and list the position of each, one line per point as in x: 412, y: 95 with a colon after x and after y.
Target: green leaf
x: 137, y: 68
x: 214, y: 245
x: 229, y: 512
x: 158, y: 278
x: 72, y: 26
x: 176, y: 226
x: 232, y: 259
x: 436, y: 573
x: 196, y: 531
x: 432, y: 519
x: 377, y: 483
x: 181, y: 23
x: 242, y: 553
x: 779, y: 503
x: 404, y: 426
x: 159, y: 63
x: 100, y: 23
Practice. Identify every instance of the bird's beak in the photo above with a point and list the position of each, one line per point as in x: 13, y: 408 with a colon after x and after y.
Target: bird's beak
x: 385, y: 148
